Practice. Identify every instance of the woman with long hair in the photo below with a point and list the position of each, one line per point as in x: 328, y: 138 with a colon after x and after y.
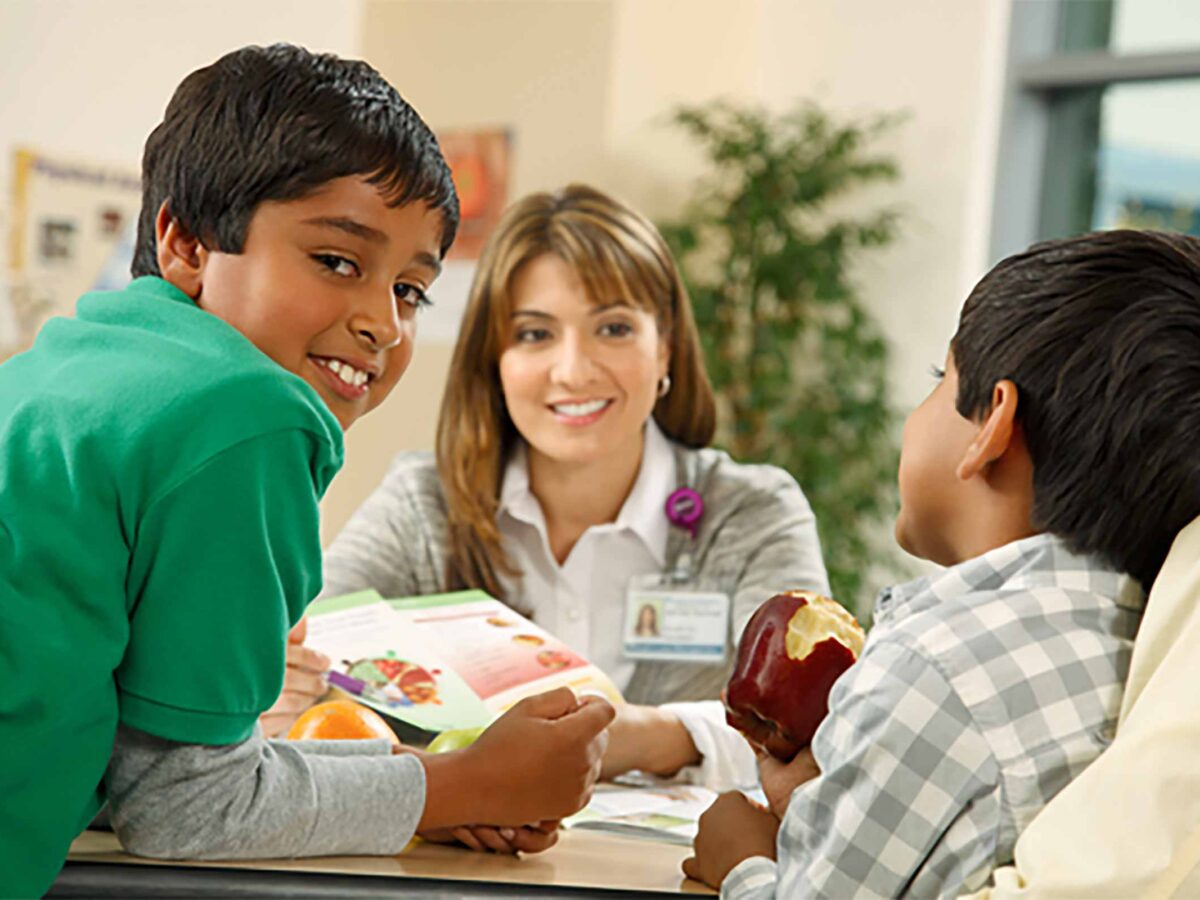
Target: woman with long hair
x: 572, y: 466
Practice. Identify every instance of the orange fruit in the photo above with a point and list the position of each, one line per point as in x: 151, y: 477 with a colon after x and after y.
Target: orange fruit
x: 341, y: 720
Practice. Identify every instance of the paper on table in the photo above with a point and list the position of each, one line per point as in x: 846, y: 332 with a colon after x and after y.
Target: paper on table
x: 445, y: 661
x: 669, y: 814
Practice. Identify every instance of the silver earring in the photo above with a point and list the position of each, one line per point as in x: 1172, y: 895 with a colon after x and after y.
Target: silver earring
x: 664, y: 385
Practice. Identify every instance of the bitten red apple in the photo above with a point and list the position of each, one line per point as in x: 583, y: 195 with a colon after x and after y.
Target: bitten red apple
x: 794, y: 648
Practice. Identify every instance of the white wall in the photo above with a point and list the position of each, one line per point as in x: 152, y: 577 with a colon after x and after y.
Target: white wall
x: 941, y: 64
x: 587, y: 86
x: 90, y: 78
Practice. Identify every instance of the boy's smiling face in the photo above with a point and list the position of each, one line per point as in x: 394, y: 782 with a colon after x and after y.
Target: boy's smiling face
x: 328, y: 286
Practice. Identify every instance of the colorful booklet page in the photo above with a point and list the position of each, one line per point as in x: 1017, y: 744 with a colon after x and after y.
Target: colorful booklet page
x: 669, y: 813
x: 443, y: 661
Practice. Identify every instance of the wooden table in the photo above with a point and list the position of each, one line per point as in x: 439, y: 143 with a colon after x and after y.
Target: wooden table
x: 581, y: 864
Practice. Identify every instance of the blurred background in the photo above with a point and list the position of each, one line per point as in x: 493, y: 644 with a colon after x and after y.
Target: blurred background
x: 1003, y: 122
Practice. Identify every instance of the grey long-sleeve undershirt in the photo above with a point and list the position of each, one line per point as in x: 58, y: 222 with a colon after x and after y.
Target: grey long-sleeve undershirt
x: 261, y: 799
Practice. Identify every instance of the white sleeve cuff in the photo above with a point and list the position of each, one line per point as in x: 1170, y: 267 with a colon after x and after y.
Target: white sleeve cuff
x: 726, y: 760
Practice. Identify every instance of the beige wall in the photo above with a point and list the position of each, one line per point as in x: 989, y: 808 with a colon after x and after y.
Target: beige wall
x: 587, y: 85
x: 90, y: 78
x: 541, y: 68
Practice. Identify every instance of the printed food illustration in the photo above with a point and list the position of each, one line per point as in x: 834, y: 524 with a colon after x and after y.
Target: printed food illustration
x: 532, y: 639
x: 553, y: 659
x: 401, y: 682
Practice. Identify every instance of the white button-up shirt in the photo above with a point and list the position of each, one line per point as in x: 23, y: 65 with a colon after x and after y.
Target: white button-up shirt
x: 582, y: 602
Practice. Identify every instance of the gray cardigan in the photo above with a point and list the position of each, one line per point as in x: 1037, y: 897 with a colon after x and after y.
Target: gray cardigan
x: 757, y: 536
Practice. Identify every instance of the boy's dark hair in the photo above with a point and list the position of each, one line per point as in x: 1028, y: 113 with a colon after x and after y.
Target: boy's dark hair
x: 1101, y: 335
x: 275, y: 123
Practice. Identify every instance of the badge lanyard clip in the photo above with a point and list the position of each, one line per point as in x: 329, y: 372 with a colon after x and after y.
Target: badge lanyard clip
x: 669, y: 617
x: 684, y: 509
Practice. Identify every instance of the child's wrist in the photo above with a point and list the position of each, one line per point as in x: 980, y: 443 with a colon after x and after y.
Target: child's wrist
x: 454, y: 792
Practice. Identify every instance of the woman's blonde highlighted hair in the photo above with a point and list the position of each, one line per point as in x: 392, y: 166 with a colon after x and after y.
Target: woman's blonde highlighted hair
x: 617, y: 254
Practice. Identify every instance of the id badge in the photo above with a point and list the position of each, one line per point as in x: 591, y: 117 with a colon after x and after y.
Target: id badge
x: 671, y: 622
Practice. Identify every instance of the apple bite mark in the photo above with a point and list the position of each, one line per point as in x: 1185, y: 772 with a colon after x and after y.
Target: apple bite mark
x: 795, y: 646
x: 822, y: 619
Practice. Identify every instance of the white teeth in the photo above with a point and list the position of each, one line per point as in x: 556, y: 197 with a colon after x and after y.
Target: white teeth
x: 580, y: 409
x: 346, y: 372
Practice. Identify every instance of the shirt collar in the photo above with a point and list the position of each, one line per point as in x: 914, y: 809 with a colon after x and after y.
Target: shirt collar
x: 643, y: 511
x: 1039, y: 561
x: 516, y: 499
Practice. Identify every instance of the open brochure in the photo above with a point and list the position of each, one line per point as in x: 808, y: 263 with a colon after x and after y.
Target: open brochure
x: 668, y: 813
x: 443, y: 661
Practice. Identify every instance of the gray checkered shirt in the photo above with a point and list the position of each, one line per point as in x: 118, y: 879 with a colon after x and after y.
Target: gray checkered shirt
x: 981, y: 692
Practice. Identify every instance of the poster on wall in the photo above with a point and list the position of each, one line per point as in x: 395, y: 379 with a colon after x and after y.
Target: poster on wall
x: 479, y: 164
x: 479, y: 161
x: 72, y: 231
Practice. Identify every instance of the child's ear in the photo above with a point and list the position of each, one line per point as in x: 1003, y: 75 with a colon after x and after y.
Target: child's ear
x: 181, y: 255
x: 995, y: 435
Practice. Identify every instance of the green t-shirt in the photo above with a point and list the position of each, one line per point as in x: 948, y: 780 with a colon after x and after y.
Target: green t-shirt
x: 159, y: 482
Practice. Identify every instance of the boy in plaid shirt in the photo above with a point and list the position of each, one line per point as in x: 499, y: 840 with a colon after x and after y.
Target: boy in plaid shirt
x: 1049, y: 469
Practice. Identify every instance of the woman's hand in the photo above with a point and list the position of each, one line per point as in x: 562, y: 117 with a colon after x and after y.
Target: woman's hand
x: 649, y: 739
x: 303, y: 683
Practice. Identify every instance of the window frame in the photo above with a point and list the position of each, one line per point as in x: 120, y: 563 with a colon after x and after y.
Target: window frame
x: 1039, y: 143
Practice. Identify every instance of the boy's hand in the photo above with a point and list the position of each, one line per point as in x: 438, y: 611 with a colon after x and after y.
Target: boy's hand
x: 733, y: 829
x: 780, y: 779
x: 482, y: 838
x: 303, y: 683
x: 538, y: 761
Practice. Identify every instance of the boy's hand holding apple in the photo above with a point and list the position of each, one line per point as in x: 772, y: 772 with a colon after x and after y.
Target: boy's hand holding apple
x: 795, y: 646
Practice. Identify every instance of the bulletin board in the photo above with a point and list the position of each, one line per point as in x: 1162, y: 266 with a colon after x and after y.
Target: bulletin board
x: 72, y: 230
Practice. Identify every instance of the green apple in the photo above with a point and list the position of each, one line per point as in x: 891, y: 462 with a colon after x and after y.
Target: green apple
x: 454, y: 739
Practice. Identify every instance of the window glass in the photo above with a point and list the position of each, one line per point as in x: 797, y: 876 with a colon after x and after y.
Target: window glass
x: 1155, y: 26
x: 1148, y: 163
x: 1129, y: 26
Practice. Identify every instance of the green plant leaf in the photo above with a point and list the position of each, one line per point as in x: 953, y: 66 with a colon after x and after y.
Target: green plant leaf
x: 799, y: 366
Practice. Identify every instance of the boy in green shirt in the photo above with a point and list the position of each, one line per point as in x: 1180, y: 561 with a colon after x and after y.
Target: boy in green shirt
x: 162, y: 455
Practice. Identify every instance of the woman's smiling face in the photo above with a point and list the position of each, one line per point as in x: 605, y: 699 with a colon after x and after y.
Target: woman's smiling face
x: 580, y: 375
